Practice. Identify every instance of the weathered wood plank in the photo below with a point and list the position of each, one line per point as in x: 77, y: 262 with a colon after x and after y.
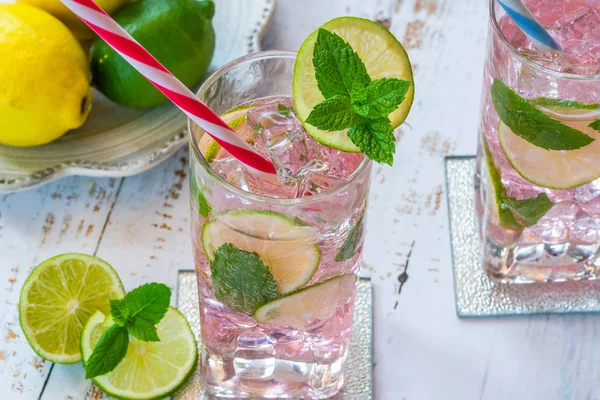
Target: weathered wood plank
x: 65, y: 216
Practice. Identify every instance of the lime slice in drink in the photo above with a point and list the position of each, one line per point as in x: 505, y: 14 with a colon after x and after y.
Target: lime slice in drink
x: 150, y: 370
x: 57, y: 299
x: 383, y: 56
x: 316, y: 302
x: 550, y: 168
x: 285, y: 244
x: 234, y: 118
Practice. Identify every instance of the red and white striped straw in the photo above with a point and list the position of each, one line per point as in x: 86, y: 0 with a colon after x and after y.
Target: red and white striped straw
x: 140, y: 59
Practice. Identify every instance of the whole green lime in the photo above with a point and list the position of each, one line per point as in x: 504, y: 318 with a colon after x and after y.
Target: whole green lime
x: 178, y: 33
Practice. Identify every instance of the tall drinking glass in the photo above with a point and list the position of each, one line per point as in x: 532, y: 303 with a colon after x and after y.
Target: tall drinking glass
x: 276, y: 263
x: 539, y: 153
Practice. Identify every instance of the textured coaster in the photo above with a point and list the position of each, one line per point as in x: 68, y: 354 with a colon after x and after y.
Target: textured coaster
x: 359, y: 365
x: 476, y: 294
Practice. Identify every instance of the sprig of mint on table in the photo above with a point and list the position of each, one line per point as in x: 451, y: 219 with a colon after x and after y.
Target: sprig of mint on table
x: 352, y: 100
x: 136, y: 314
x: 534, y: 126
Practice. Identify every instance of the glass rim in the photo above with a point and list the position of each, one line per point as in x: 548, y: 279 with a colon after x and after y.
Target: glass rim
x: 515, y: 52
x: 260, y: 55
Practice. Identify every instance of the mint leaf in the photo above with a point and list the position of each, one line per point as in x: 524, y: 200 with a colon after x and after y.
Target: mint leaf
x: 143, y: 330
x: 241, y: 280
x: 334, y: 114
x: 283, y: 110
x: 337, y: 67
x: 119, y: 312
x: 352, y: 242
x: 204, y: 208
x: 375, y: 139
x: 382, y: 97
x: 149, y: 302
x: 528, y: 211
x: 110, y: 349
x: 533, y: 125
x: 595, y: 125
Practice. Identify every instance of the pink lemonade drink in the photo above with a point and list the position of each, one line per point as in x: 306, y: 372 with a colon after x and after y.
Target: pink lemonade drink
x: 276, y: 261
x: 539, y: 147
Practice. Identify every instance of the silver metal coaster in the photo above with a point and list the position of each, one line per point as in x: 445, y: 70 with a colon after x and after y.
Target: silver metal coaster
x: 359, y: 365
x: 476, y: 294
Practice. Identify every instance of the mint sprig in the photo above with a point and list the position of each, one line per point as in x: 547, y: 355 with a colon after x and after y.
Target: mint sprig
x: 137, y: 315
x: 533, y: 125
x: 241, y: 280
x: 352, y: 100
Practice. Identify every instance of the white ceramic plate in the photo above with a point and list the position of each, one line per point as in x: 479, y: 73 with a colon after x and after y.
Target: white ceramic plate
x: 119, y: 142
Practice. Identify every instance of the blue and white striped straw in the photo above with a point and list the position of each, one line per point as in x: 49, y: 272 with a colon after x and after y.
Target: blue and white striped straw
x: 525, y: 20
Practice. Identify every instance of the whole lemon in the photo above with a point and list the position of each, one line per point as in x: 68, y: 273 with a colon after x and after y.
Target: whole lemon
x: 45, y: 84
x: 60, y: 11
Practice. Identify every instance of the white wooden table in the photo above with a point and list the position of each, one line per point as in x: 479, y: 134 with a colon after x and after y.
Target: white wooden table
x: 422, y: 350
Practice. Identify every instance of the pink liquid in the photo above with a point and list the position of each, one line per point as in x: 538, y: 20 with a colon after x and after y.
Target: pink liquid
x: 243, y: 358
x: 563, y: 244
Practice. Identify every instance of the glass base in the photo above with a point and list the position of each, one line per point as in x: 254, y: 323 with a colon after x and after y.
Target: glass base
x: 257, y: 376
x: 541, y: 262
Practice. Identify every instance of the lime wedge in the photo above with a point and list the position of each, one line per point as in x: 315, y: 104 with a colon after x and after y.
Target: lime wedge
x: 316, y: 302
x: 234, y: 118
x: 57, y: 299
x: 550, y: 168
x: 150, y: 370
x: 383, y: 56
x: 285, y: 244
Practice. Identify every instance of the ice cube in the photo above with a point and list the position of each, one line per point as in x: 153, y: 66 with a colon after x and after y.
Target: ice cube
x: 579, y: 34
x: 295, y: 155
x: 273, y: 120
x: 585, y: 228
x: 262, y: 187
x: 317, y: 183
x: 552, y: 227
x: 341, y: 164
x: 231, y: 170
x: 587, y: 193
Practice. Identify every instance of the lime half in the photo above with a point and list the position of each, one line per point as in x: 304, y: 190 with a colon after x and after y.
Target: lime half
x: 383, y: 56
x: 316, y: 302
x: 150, y: 370
x: 58, y: 298
x: 551, y: 168
x: 234, y: 118
x: 285, y: 244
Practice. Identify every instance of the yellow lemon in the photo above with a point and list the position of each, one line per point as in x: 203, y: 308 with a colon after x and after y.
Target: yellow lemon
x: 60, y: 11
x: 45, y: 85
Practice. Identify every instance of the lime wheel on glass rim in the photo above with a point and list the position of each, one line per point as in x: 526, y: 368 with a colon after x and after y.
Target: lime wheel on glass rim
x: 383, y: 56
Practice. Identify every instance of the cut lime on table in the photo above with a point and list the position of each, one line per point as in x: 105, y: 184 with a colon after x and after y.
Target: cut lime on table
x: 550, y: 168
x: 383, y: 56
x: 285, y: 244
x: 234, y: 118
x: 316, y: 302
x: 150, y: 370
x: 58, y: 298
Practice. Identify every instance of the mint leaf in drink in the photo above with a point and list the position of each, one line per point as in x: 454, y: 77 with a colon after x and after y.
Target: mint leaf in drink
x: 337, y: 67
x: 241, y: 280
x: 533, y: 125
x: 334, y: 114
x: 284, y: 111
x: 108, y: 352
x: 375, y: 139
x: 204, y: 207
x: 119, y: 312
x: 382, y: 97
x: 149, y: 302
x: 528, y: 211
x: 143, y: 330
x: 514, y: 213
x: 352, y: 242
x: 595, y: 125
